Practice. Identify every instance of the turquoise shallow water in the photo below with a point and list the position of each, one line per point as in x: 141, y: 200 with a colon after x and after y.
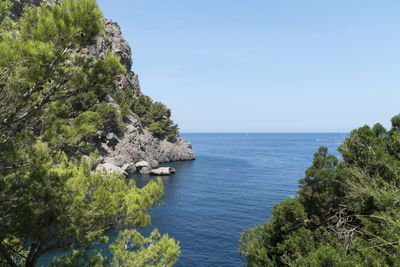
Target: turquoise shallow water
x: 232, y: 184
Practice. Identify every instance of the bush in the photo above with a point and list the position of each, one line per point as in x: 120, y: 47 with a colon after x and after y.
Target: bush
x: 142, y: 105
x: 164, y: 128
x: 50, y: 201
x: 124, y: 98
x: 348, y: 212
x: 156, y: 116
x: 110, y: 116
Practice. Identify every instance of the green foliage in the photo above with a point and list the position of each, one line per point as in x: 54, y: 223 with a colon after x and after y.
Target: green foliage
x: 71, y: 24
x: 346, y: 213
x: 110, y: 117
x: 39, y: 65
x: 62, y: 205
x: 319, y: 189
x: 50, y: 102
x: 131, y: 249
x: 124, y: 98
x: 158, y: 112
x: 142, y: 105
x: 326, y: 256
x: 4, y: 7
x: 165, y: 127
x: 81, y: 258
x: 156, y: 116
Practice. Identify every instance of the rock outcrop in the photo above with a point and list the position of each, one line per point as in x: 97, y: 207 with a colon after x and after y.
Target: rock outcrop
x: 19, y: 5
x: 163, y: 171
x: 121, y: 151
x: 110, y: 168
x: 114, y: 41
x: 136, y: 144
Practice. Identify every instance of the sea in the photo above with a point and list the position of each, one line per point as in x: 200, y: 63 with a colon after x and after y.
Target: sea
x: 234, y: 182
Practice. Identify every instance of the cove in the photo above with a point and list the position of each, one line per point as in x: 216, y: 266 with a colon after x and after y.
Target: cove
x: 233, y: 183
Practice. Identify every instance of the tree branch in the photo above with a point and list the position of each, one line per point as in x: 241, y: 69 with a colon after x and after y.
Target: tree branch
x: 4, y: 252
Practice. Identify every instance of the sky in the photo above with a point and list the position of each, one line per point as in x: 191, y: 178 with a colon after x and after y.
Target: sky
x: 266, y: 65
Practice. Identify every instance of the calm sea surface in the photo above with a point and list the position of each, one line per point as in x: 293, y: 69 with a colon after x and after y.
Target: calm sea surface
x: 232, y: 184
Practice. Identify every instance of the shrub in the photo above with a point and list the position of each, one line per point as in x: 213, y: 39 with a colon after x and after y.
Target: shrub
x: 356, y: 202
x: 110, y: 116
x: 156, y: 116
x: 125, y: 99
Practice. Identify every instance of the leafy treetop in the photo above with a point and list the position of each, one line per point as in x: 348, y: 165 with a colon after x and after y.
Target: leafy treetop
x: 50, y: 101
x: 346, y: 213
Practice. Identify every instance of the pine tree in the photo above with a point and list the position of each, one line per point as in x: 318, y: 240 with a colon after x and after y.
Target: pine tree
x: 347, y: 213
x: 50, y: 102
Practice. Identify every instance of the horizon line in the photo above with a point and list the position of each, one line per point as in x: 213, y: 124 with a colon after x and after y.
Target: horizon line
x: 256, y: 132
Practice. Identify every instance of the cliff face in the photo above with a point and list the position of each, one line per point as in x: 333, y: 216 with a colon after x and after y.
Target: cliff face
x: 135, y: 143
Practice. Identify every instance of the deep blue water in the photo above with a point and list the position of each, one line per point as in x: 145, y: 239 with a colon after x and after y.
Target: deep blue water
x: 232, y: 184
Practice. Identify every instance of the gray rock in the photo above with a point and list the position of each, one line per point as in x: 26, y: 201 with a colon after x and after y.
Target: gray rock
x: 111, y: 137
x: 108, y: 99
x: 163, y: 171
x: 145, y: 170
x: 119, y: 161
x: 142, y: 164
x: 135, y: 144
x: 18, y: 6
x: 118, y: 44
x: 129, y: 168
x: 109, y: 168
x: 153, y: 162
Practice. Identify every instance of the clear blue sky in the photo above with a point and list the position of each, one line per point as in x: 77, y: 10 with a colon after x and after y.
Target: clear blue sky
x: 266, y: 65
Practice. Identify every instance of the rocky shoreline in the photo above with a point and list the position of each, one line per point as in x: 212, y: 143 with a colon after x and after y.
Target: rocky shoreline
x: 135, y: 144
x: 121, y: 151
x: 141, y: 167
x: 136, y: 150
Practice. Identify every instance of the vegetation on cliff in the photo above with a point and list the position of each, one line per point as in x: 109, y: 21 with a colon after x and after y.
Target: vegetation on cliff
x: 347, y: 213
x: 50, y: 102
x: 154, y: 115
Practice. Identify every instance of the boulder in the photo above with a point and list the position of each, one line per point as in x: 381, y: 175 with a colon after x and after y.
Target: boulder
x: 120, y: 160
x: 111, y: 137
x: 153, y: 163
x: 129, y: 168
x: 145, y: 170
x: 163, y: 171
x: 135, y: 142
x: 143, y: 164
x: 143, y: 167
x: 110, y: 168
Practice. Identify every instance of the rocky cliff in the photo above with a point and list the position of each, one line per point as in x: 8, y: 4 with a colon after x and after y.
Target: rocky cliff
x: 135, y: 143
